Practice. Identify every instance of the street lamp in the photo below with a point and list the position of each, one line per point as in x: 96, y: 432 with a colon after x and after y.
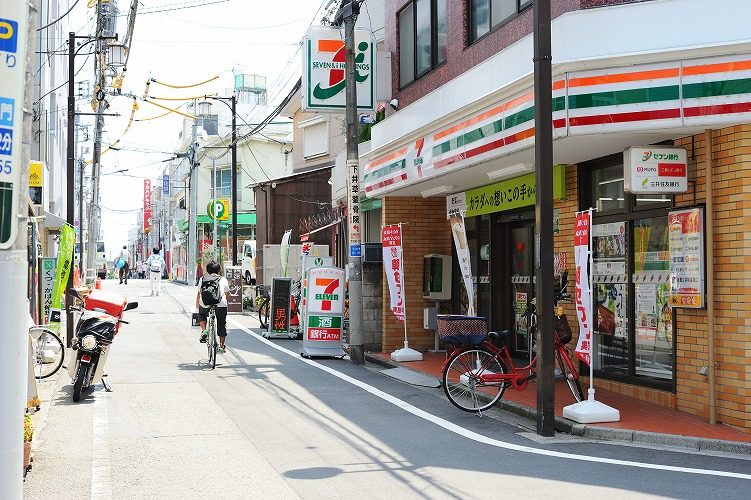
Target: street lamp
x: 205, y: 105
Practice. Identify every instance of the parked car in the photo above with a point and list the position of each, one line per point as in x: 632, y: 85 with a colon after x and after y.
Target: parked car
x: 248, y: 265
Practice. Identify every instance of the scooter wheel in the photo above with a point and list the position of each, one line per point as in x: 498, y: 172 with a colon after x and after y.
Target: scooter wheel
x: 78, y: 382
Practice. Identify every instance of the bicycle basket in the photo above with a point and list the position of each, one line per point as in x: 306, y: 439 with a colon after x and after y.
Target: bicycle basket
x: 462, y: 330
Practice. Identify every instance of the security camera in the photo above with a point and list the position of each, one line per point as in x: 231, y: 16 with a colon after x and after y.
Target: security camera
x: 394, y: 103
x: 273, y: 185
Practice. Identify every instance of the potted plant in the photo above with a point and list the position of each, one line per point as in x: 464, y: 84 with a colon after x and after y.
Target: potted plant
x: 28, y: 435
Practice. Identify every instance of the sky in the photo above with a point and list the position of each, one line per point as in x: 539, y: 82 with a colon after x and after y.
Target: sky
x: 182, y: 43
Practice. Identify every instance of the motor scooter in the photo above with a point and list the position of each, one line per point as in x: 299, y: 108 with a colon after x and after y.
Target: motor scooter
x: 101, y: 316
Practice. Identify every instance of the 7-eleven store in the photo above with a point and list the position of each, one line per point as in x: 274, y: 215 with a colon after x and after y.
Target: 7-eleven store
x: 474, y: 153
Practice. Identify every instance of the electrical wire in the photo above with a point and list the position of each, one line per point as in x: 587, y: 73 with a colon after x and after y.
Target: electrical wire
x: 59, y: 18
x: 184, y: 7
x: 64, y: 83
x: 154, y: 80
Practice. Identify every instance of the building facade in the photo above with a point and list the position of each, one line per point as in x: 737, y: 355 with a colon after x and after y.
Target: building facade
x: 625, y: 74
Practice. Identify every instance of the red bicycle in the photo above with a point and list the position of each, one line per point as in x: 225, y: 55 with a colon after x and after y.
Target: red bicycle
x: 476, y: 376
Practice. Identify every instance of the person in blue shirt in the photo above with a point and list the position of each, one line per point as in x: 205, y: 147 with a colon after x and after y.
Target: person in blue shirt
x: 156, y: 265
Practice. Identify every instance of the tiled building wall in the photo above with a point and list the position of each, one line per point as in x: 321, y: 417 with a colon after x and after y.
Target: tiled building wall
x: 425, y: 231
x: 731, y: 150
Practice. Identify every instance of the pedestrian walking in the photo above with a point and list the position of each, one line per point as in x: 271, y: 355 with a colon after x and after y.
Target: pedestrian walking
x: 123, y: 264
x: 144, y: 269
x: 155, y: 265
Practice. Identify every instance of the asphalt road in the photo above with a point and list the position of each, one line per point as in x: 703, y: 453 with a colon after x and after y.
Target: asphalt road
x: 267, y: 423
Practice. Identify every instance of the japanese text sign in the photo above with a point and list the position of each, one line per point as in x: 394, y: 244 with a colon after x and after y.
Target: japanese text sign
x: 146, y: 205
x: 391, y: 240
x: 655, y: 170
x: 686, y: 243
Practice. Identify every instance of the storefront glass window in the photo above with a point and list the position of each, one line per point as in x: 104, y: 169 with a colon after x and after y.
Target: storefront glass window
x: 484, y: 307
x: 653, y: 314
x: 610, y: 279
x: 607, y: 189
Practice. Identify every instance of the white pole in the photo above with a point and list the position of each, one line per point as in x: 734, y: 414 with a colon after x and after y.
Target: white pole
x: 591, y: 392
x: 213, y: 201
x: 404, y: 288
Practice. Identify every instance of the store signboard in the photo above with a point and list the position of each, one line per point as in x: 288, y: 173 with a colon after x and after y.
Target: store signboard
x: 324, y: 73
x: 686, y: 242
x: 324, y: 292
x: 47, y: 272
x: 234, y: 279
x: 146, y: 205
x: 655, y: 170
x: 505, y: 195
x: 13, y: 21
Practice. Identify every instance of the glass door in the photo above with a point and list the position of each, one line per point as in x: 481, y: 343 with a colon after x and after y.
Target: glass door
x: 522, y: 283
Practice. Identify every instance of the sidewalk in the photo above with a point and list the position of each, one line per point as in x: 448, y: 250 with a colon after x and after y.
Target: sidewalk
x: 640, y: 421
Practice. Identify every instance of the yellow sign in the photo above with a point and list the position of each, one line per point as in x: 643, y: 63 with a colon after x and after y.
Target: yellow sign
x: 219, y: 209
x: 35, y: 174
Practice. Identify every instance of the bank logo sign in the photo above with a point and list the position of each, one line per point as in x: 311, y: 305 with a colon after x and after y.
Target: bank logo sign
x: 324, y: 71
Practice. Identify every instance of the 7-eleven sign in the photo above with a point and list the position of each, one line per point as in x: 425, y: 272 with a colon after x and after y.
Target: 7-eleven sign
x: 324, y: 71
x: 325, y: 293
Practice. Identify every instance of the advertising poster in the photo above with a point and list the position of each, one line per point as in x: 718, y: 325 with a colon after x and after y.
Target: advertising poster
x: 234, y: 278
x: 654, y: 316
x: 609, y: 242
x: 146, y: 205
x: 610, y: 303
x: 686, y: 258
x: 583, y: 287
x: 520, y: 307
x: 462, y: 254
x: 391, y: 239
x: 47, y: 283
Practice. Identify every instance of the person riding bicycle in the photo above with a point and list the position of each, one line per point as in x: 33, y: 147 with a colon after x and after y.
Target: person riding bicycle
x: 213, y: 290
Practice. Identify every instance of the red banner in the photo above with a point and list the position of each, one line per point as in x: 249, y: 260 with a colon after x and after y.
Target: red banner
x: 583, y: 295
x: 391, y: 239
x: 146, y: 205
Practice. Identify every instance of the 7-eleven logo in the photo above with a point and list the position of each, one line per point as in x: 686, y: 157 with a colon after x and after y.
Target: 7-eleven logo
x: 330, y: 285
x: 337, y: 75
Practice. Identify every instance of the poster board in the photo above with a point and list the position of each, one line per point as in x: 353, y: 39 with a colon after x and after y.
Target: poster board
x: 687, y: 261
x: 235, y: 299
x: 279, y: 312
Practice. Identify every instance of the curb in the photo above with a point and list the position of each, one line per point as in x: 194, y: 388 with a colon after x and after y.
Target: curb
x: 607, y: 434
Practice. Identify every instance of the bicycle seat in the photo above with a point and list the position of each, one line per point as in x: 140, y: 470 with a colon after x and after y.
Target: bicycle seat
x: 500, y: 339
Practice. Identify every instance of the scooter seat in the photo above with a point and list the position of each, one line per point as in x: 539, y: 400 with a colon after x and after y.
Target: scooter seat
x: 501, y: 338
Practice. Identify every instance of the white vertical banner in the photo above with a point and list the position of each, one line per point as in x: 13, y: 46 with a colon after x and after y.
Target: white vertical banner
x: 284, y: 251
x: 391, y: 239
x: 353, y: 208
x: 465, y: 262
x: 583, y: 295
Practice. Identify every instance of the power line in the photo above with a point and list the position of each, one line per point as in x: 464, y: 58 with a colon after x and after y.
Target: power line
x: 59, y: 18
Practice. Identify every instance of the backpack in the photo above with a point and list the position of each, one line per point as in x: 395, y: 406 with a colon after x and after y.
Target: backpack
x: 210, y: 293
x: 156, y: 266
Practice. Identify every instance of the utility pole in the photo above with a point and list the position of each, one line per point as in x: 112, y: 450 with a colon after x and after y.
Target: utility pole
x: 70, y: 180
x: 234, y: 179
x: 16, y: 88
x: 98, y: 126
x: 356, y: 340
x: 543, y: 89
x: 192, y: 209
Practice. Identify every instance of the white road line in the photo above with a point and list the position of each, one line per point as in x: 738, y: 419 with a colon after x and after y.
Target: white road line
x: 101, y: 474
x: 479, y: 437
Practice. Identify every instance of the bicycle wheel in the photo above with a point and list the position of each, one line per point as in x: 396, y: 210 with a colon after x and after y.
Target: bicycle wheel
x: 569, y: 373
x: 263, y: 313
x: 48, y: 352
x: 462, y: 384
x: 211, y: 340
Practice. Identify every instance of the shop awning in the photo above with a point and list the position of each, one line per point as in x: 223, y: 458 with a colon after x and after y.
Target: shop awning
x: 245, y: 219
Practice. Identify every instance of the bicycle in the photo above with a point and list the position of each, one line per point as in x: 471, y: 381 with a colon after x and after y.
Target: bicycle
x: 263, y: 305
x: 475, y: 377
x: 48, y: 351
x: 211, y: 341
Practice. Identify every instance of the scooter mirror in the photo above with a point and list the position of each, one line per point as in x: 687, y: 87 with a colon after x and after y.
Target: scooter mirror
x: 74, y: 293
x: 131, y: 305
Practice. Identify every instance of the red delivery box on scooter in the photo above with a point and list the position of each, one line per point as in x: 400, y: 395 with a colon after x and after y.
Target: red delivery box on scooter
x: 111, y: 303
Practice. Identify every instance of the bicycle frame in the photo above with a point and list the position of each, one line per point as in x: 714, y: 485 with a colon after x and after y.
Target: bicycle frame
x: 516, y: 377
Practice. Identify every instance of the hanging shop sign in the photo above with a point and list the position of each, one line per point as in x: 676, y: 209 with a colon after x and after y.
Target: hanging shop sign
x: 13, y: 21
x: 463, y: 255
x: 391, y: 243
x: 218, y: 209
x: 324, y: 73
x: 505, y: 195
x: 655, y: 170
x: 686, y: 244
x: 165, y: 184
x: 146, y: 205
x: 47, y: 273
x: 324, y: 292
x: 353, y: 209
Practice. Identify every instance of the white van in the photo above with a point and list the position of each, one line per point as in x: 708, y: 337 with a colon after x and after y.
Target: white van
x: 249, y: 262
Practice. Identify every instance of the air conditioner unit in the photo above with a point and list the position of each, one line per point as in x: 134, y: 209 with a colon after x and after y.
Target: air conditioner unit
x: 371, y: 252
